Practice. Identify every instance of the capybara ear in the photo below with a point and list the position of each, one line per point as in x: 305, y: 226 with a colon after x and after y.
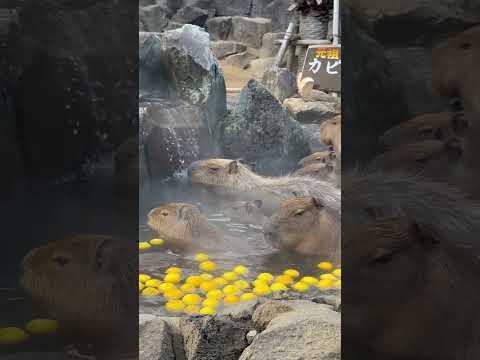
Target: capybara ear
x: 317, y: 203
x: 258, y: 203
x: 332, y: 155
x: 182, y: 212
x: 454, y: 148
x: 103, y: 253
x: 233, y: 167
x: 456, y: 104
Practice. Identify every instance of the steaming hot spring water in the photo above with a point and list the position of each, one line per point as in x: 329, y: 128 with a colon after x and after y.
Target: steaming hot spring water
x: 245, y: 247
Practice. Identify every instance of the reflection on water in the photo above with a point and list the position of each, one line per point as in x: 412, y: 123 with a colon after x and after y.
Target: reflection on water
x: 244, y: 243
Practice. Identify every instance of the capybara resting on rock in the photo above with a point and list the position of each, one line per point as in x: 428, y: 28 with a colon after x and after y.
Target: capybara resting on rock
x: 411, y: 264
x: 433, y: 158
x: 232, y: 177
x: 331, y: 134
x: 435, y: 126
x: 319, y: 170
x: 250, y: 212
x: 307, y: 227
x: 324, y: 157
x: 88, y: 283
x: 183, y: 226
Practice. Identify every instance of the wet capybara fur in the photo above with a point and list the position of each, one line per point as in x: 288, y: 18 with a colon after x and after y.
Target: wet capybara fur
x: 88, y: 283
x: 410, y: 269
x: 183, y: 226
x: 324, y: 157
x: 249, y: 212
x: 441, y: 126
x: 306, y: 226
x: 331, y: 134
x: 232, y: 177
x: 322, y: 171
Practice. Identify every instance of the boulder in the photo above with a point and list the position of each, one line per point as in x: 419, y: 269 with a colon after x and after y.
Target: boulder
x: 153, y: 18
x: 269, y: 46
x: 155, y: 341
x: 309, y: 331
x: 217, y: 337
x: 241, y: 60
x: 272, y: 9
x: 260, y: 66
x: 223, y: 48
x: 173, y: 134
x: 250, y: 31
x: 280, y: 82
x: 232, y: 7
x: 312, y: 134
x: 180, y: 64
x: 191, y: 15
x: 220, y: 27
x: 316, y: 112
x: 261, y: 131
x: 242, y: 311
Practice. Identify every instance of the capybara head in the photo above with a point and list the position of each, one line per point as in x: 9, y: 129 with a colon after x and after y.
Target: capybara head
x: 455, y: 65
x: 410, y: 247
x: 305, y: 225
x: 323, y: 157
x: 218, y: 172
x: 432, y: 158
x: 181, y: 225
x: 250, y: 212
x: 331, y: 133
x: 87, y: 282
x: 322, y: 171
x: 436, y: 126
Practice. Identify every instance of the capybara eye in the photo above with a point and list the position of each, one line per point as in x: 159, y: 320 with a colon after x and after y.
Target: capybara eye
x: 213, y: 169
x: 422, y: 160
x: 465, y: 46
x: 164, y: 213
x: 61, y: 260
x: 383, y: 258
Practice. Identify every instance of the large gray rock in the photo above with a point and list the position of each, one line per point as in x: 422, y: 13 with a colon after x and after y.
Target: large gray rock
x: 222, y: 48
x: 281, y: 83
x: 220, y: 27
x: 211, y: 338
x: 181, y: 64
x: 316, y: 112
x: 261, y: 131
x: 232, y: 7
x: 173, y: 134
x: 250, y: 31
x: 272, y: 9
x: 308, y: 332
x: 241, y: 60
x: 153, y: 18
x: 269, y: 46
x: 191, y: 15
x: 155, y: 341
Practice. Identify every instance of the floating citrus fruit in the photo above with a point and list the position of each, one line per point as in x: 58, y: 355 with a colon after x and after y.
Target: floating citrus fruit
x: 292, y: 273
x: 208, y: 266
x: 12, y: 336
x: 241, y: 270
x: 144, y: 246
x: 150, y: 291
x: 192, y: 299
x: 248, y: 296
x: 157, y: 242
x: 42, y: 326
x: 200, y: 257
x: 175, y: 306
x: 326, y: 266
x: 208, y: 311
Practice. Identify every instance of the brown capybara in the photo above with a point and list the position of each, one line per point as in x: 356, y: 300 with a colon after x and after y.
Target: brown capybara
x: 306, y: 226
x: 324, y: 157
x: 232, y: 177
x: 410, y: 254
x: 319, y: 170
x: 250, y: 212
x: 441, y: 126
x: 183, y: 226
x: 88, y: 283
x: 331, y: 134
x: 432, y: 158
x: 126, y: 166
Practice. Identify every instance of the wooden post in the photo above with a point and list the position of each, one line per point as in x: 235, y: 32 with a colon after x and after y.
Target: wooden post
x: 285, y: 42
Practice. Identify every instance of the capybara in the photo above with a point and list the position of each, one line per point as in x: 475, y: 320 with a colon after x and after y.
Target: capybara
x: 324, y: 157
x: 433, y: 158
x: 88, y: 283
x: 232, y: 177
x: 317, y: 170
x: 331, y: 134
x: 183, y: 226
x: 434, y: 126
x: 306, y: 226
x: 250, y: 212
x: 410, y: 254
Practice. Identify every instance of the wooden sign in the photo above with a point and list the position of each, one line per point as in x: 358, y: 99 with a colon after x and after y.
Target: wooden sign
x: 323, y: 63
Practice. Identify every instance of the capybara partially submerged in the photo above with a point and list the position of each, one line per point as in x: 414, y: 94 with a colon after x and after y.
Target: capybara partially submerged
x: 306, y: 226
x: 331, y: 134
x: 323, y: 157
x: 433, y: 158
x: 410, y: 269
x: 231, y: 177
x: 319, y: 170
x: 183, y: 226
x: 89, y: 284
x: 250, y: 212
x: 435, y: 126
